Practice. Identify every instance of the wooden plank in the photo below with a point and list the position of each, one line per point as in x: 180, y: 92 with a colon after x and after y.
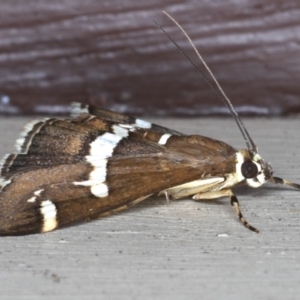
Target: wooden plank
x: 110, y: 53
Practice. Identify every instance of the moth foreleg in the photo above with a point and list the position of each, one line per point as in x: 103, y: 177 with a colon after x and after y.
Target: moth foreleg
x: 212, y: 195
x: 233, y: 200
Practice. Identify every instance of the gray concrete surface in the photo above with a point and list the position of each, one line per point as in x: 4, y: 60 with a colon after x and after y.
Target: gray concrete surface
x: 186, y: 250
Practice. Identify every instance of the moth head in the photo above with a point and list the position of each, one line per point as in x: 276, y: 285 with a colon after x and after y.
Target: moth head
x: 252, y: 168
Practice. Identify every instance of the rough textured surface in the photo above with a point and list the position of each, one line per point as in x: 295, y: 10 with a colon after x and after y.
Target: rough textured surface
x: 186, y: 250
x: 110, y: 53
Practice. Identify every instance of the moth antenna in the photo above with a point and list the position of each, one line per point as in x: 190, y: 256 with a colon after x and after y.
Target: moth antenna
x: 219, y: 91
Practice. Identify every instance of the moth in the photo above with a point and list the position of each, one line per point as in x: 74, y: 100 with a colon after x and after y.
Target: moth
x: 98, y: 162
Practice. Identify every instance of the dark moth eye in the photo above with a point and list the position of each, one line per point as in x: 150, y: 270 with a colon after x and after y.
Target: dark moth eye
x: 249, y: 169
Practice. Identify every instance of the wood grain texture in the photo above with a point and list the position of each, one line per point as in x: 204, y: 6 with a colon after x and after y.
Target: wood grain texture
x: 111, y: 54
x: 186, y: 250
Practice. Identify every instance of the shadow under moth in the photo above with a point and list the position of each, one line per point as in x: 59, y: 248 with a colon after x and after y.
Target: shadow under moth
x: 98, y: 162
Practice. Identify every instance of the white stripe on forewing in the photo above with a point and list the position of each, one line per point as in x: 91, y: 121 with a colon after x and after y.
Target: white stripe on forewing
x: 98, y: 175
x: 24, y: 134
x: 143, y: 124
x: 4, y: 182
x: 3, y: 161
x: 100, y: 190
x: 164, y: 138
x: 120, y: 131
x: 99, y: 172
x: 127, y: 126
x: 38, y: 192
x: 104, y: 145
x: 36, y: 195
x: 49, y: 212
x: 132, y: 127
x: 101, y: 149
x: 31, y: 200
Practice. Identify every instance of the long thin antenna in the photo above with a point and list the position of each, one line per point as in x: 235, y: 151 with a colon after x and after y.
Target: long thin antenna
x: 219, y: 91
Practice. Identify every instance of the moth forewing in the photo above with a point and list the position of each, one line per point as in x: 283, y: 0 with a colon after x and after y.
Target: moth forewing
x: 75, y: 170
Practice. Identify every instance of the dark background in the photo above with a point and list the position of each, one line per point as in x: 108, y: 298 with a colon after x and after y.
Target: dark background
x: 110, y: 53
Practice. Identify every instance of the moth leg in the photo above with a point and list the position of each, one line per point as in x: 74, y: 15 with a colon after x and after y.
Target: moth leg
x: 233, y: 200
x: 167, y: 197
x: 193, y: 187
x: 212, y: 195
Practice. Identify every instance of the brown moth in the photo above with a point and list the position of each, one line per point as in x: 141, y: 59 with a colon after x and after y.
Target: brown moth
x: 99, y: 162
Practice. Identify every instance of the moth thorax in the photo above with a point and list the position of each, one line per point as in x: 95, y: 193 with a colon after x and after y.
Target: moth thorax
x: 252, y: 168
